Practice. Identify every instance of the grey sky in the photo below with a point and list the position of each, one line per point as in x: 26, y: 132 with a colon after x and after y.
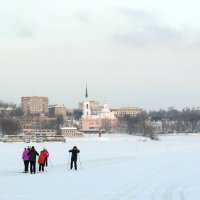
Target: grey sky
x: 133, y: 53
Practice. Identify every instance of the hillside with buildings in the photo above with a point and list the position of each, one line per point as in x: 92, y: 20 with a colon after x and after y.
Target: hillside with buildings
x: 35, y: 117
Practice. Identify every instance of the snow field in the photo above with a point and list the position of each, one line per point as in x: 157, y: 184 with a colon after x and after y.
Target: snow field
x: 114, y: 167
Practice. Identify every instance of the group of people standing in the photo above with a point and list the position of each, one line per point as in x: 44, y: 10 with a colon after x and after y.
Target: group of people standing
x: 29, y: 157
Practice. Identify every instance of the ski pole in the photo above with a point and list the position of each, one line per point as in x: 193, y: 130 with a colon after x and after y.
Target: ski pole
x: 68, y: 161
x: 50, y: 162
x: 80, y: 161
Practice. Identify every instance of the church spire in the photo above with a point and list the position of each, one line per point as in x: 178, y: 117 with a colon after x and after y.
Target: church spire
x: 86, y: 93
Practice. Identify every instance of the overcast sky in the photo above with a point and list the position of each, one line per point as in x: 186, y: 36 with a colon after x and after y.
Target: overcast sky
x: 143, y: 53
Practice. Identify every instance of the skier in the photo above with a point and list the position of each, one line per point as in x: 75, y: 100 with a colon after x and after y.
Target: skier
x: 41, y: 160
x: 74, y: 152
x: 46, y: 158
x: 32, y: 158
x: 25, y: 158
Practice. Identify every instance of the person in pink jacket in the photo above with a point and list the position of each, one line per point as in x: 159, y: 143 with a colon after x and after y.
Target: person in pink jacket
x: 25, y: 158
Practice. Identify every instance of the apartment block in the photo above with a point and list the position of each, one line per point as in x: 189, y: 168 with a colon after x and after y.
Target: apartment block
x: 56, y: 110
x: 132, y: 111
x: 36, y: 122
x: 35, y: 105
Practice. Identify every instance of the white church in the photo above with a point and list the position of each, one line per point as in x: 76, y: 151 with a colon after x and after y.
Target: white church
x: 104, y: 119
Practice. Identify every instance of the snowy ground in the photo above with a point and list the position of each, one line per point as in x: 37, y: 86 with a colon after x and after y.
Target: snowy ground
x: 114, y: 167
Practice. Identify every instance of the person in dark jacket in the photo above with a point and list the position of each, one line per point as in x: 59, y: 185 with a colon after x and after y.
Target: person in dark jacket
x: 74, y: 152
x: 32, y: 158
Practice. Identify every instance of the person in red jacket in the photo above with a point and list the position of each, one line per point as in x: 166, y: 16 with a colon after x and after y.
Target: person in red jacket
x: 41, y: 160
x: 47, y: 155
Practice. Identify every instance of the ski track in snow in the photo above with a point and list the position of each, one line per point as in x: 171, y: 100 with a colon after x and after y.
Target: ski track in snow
x: 130, y: 191
x: 152, y: 189
x: 110, y: 161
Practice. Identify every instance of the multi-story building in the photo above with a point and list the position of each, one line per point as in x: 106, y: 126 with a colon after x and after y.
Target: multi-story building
x: 132, y: 111
x: 71, y: 132
x: 36, y: 122
x: 56, y: 110
x: 35, y: 105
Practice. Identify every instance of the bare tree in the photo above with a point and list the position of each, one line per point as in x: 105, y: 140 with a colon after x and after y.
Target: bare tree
x: 106, y: 124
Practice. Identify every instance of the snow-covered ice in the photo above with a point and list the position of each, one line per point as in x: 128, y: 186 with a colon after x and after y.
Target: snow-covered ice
x: 114, y: 167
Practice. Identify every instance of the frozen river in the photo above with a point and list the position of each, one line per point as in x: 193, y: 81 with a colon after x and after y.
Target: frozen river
x: 113, y: 167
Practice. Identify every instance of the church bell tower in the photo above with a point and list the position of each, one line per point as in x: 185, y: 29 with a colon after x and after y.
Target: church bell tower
x: 86, y: 105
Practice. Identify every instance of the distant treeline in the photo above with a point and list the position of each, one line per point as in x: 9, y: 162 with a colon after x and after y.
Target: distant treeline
x: 8, y: 124
x: 162, y: 121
